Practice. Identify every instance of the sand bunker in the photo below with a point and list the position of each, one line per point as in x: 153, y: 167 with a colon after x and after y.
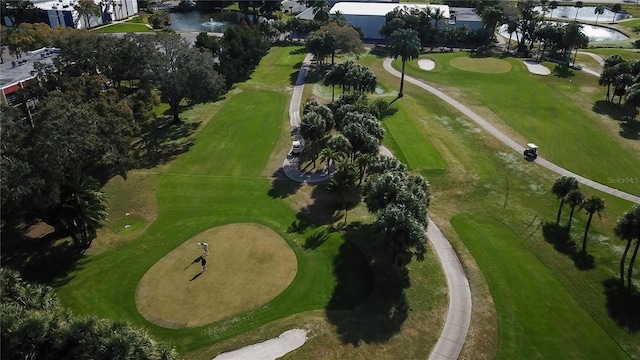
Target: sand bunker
x: 269, y: 350
x: 537, y: 68
x: 426, y: 64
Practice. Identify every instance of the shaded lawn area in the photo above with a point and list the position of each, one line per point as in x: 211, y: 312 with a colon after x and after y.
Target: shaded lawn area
x: 543, y: 110
x: 536, y: 308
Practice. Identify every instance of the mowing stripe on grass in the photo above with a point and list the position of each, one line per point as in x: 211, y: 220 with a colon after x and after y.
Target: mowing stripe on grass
x: 240, y: 138
x: 532, y: 305
x: 410, y: 145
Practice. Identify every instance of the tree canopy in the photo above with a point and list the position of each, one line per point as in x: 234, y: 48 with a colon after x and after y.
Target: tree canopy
x: 34, y: 326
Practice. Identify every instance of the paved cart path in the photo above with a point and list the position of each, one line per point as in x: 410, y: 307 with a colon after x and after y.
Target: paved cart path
x: 458, y: 318
x: 507, y: 140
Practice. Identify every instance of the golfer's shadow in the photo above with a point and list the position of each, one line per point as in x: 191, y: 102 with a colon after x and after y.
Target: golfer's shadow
x: 195, y: 261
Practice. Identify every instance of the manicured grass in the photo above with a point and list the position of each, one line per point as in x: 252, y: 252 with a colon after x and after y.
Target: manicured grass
x: 484, y: 177
x: 409, y: 144
x: 221, y: 180
x: 486, y: 65
x: 124, y: 28
x: 550, y: 111
x: 537, y: 318
x: 196, y: 193
x: 625, y: 53
x: 247, y: 266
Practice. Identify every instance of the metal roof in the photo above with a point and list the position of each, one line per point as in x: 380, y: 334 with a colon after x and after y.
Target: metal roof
x: 380, y: 9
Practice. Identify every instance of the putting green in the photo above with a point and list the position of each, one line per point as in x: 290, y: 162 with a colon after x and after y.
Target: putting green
x: 486, y: 65
x: 248, y: 265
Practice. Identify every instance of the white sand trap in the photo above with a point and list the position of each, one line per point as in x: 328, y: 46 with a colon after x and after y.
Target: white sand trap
x: 426, y: 64
x: 268, y: 350
x: 537, y: 68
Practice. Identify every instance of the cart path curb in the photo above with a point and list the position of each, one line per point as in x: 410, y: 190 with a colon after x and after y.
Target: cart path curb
x: 290, y: 164
x: 507, y: 140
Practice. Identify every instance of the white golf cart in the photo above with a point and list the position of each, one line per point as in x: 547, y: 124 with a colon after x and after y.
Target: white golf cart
x: 531, y: 152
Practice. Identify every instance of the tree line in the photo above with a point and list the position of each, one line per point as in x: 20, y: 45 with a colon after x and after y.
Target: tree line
x: 347, y: 135
x: 624, y: 77
x: 81, y: 120
x: 627, y: 226
x: 34, y: 326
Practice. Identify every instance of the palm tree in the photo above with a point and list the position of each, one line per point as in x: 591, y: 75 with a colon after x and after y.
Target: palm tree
x: 437, y: 16
x: 491, y: 15
x: 86, y: 9
x: 573, y: 37
x: 362, y: 162
x: 321, y: 10
x: 543, y: 3
x: 628, y: 228
x: 599, y: 10
x: 591, y: 205
x: 632, y: 97
x: 83, y: 209
x: 402, y: 233
x: 578, y: 6
x: 552, y: 5
x: 343, y: 181
x: 616, y: 9
x: 574, y: 199
x: 562, y: 187
x: 329, y: 155
x: 406, y: 44
x: 338, y: 18
x: 607, y: 78
x: 512, y: 26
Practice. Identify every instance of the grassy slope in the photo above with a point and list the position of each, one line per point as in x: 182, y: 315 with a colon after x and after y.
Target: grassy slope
x: 549, y: 113
x: 484, y: 177
x: 524, y: 288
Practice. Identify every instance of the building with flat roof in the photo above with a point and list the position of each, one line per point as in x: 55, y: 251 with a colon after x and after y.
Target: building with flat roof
x: 62, y: 12
x: 17, y: 73
x: 371, y: 16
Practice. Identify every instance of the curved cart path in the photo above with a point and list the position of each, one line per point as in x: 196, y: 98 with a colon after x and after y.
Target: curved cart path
x: 458, y: 318
x: 507, y: 140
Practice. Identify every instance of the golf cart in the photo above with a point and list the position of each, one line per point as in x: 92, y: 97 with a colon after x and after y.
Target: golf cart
x: 297, y: 147
x: 531, y: 152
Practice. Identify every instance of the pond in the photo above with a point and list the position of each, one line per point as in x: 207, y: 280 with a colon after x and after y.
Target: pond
x: 206, y: 21
x: 586, y: 13
x: 593, y: 32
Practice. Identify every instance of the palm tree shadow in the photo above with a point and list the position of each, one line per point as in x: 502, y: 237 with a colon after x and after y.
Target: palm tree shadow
x: 622, y: 304
x: 394, y: 100
x: 560, y: 237
x: 281, y: 186
x: 563, y: 71
x: 368, y: 304
x: 630, y: 129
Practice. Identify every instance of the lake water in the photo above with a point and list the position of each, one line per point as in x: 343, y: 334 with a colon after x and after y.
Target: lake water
x: 593, y: 32
x: 586, y: 13
x: 209, y: 22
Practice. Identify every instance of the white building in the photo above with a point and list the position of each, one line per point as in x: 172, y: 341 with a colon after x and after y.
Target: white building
x: 62, y: 12
x: 292, y: 6
x: 370, y: 16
